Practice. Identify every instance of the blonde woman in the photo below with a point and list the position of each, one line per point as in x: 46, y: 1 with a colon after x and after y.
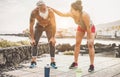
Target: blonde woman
x: 84, y: 23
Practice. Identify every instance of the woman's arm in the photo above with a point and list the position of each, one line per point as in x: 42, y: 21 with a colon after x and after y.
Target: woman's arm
x: 53, y: 23
x: 62, y: 14
x: 86, y: 20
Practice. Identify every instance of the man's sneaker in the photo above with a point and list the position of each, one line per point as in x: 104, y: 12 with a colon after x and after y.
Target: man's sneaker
x: 73, y: 65
x: 91, y: 68
x: 53, y: 65
x: 33, y: 64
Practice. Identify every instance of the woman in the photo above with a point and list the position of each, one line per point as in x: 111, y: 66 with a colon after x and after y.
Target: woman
x: 83, y: 21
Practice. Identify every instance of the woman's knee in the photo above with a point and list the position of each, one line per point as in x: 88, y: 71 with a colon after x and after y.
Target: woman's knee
x: 90, y: 46
x: 77, y: 44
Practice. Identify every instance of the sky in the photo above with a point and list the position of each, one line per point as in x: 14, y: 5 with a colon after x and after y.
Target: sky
x: 15, y: 14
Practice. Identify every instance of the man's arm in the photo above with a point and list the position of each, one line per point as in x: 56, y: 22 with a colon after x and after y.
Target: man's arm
x: 32, y: 21
x: 53, y: 23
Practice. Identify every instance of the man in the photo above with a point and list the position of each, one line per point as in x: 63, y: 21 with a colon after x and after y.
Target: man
x: 45, y: 22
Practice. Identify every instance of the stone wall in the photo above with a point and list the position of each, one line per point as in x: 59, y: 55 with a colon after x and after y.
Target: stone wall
x: 12, y: 56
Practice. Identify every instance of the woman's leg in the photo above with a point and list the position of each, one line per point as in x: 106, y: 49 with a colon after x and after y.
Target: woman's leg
x: 92, y: 50
x: 91, y: 54
x: 79, y: 36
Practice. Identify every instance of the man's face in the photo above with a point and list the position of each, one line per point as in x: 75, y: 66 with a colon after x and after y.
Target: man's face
x: 43, y: 8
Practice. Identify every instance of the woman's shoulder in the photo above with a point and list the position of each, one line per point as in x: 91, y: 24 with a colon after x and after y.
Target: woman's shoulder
x: 85, y: 15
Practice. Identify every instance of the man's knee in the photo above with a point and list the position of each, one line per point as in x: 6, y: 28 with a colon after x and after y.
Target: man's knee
x: 34, y: 50
x: 51, y: 44
x: 52, y: 50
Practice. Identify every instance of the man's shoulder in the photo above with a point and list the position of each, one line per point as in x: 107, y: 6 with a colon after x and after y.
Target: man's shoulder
x: 34, y: 11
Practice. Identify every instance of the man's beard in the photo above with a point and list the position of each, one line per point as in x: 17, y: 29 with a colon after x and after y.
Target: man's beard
x: 44, y: 15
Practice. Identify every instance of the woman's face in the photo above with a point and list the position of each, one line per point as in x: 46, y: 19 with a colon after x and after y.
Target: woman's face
x: 74, y: 12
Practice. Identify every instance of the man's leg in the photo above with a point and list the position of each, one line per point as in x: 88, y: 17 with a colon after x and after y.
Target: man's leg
x: 52, y: 48
x: 37, y: 34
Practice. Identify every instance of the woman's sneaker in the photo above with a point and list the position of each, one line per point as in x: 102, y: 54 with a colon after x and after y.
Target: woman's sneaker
x: 73, y: 65
x: 91, y: 68
x: 53, y: 65
x: 33, y: 64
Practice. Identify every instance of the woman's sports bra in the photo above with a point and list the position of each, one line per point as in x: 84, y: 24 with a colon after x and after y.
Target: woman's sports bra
x: 82, y: 24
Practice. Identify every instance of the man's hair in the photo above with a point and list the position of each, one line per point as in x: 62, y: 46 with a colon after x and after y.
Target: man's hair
x: 77, y: 5
x: 40, y: 2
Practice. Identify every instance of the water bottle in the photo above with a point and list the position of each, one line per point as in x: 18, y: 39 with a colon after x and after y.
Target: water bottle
x: 47, y: 71
x: 78, y: 72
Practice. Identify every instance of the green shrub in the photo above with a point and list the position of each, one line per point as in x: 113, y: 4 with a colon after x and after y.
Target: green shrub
x: 24, y: 42
x: 69, y: 53
x: 5, y: 43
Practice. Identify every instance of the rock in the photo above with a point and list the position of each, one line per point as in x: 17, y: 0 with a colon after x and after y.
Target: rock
x: 63, y: 47
x: 98, y: 48
x: 113, y: 45
x: 72, y: 47
x: 2, y: 59
x: 117, y: 51
x: 5, y: 75
x: 105, y: 48
x: 12, y: 56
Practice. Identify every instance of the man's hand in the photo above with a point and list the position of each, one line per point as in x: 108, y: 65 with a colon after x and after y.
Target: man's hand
x: 53, y: 41
x: 32, y: 42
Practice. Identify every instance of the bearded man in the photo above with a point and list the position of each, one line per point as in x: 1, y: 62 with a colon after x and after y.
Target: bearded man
x: 45, y: 22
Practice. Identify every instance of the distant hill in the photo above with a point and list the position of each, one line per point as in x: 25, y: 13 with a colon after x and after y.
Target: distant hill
x: 107, y: 25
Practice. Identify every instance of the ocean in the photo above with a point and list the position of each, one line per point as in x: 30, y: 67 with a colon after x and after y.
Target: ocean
x: 58, y: 40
